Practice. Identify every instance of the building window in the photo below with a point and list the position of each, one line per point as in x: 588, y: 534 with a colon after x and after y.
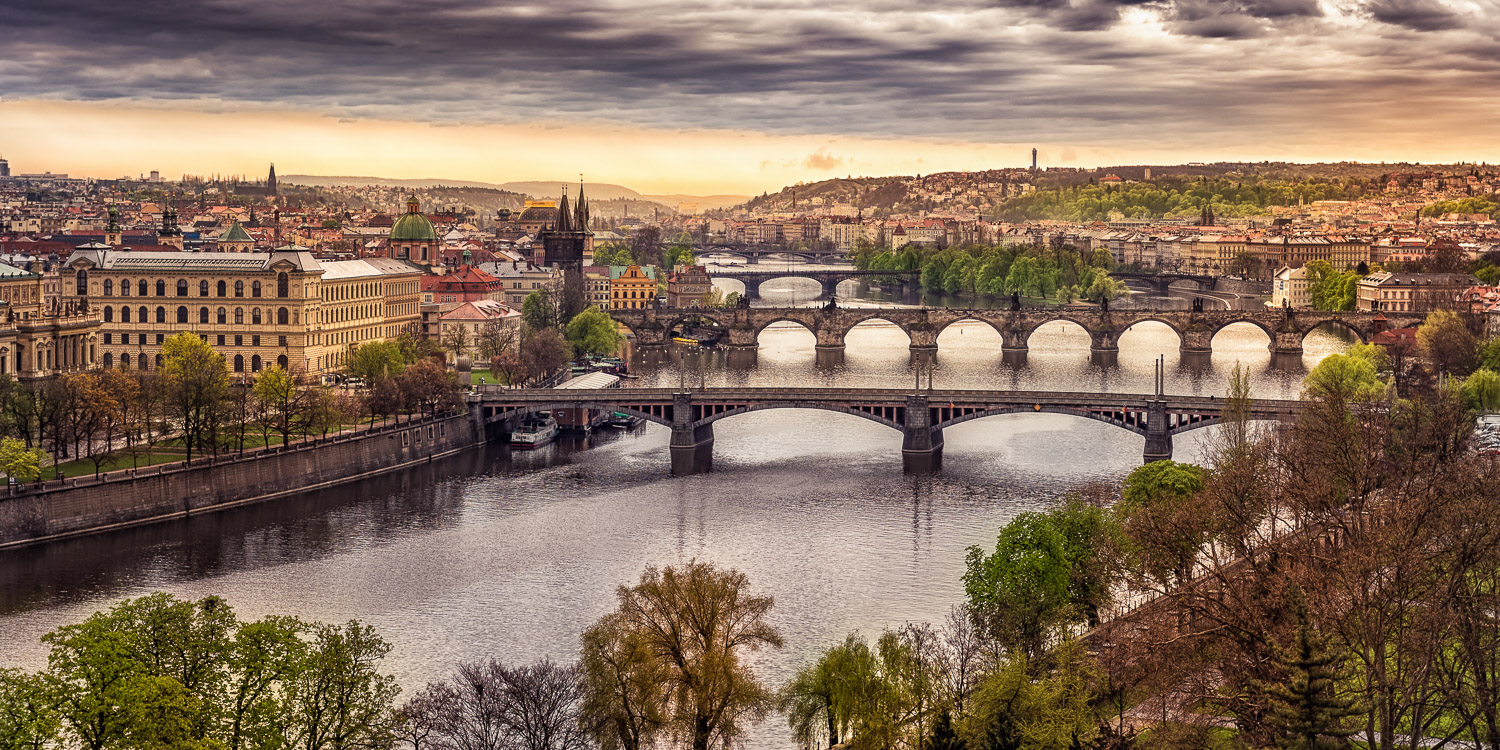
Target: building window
x: 109, y: 287
x: 255, y: 341
x: 203, y: 288
x: 255, y: 316
x: 221, y: 289
x: 161, y: 314
x: 108, y: 337
x: 143, y: 289
x: 239, y: 316
x: 239, y: 363
x: 221, y: 340
x: 281, y: 340
x: 281, y: 361
x: 109, y: 314
x: 161, y: 288
x: 239, y: 340
x: 283, y: 285
x: 124, y: 361
x: 203, y: 315
x: 124, y: 287
x: 255, y: 363
x: 222, y: 316
x: 109, y: 360
x: 239, y: 288
x: 281, y: 316
x: 125, y: 338
x: 255, y: 289
x: 160, y: 338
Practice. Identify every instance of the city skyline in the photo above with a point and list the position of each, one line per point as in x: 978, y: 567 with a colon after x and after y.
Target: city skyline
x: 739, y: 99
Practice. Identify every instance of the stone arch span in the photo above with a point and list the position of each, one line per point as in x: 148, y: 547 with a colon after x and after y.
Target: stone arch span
x: 1181, y: 338
x: 810, y: 324
x: 839, y: 408
x: 1264, y: 328
x: 975, y: 318
x: 881, y: 316
x: 1060, y: 318
x: 1335, y: 323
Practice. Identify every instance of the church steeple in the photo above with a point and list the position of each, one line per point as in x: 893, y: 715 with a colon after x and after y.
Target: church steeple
x: 581, y: 211
x: 271, y: 180
x: 564, y: 219
x: 112, y: 234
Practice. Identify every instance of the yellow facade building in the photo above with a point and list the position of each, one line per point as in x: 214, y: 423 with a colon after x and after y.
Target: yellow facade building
x: 285, y: 308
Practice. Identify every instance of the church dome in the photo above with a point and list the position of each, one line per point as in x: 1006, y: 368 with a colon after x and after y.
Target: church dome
x: 413, y: 226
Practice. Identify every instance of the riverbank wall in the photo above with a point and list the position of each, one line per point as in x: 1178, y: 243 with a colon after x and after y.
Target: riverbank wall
x: 88, y: 505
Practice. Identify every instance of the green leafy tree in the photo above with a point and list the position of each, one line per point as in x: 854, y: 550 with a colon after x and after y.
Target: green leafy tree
x: 28, y: 713
x: 1345, y: 377
x: 827, y: 700
x: 284, y: 405
x: 1489, y: 354
x: 1018, y: 708
x: 538, y: 310
x: 1446, y: 342
x: 20, y: 462
x: 624, y: 686
x: 1163, y: 518
x: 1019, y: 592
x: 339, y: 700
x: 594, y: 332
x: 377, y: 359
x: 197, y: 383
x: 1481, y: 391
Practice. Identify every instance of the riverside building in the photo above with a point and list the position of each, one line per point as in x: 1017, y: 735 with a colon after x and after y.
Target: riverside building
x: 283, y: 308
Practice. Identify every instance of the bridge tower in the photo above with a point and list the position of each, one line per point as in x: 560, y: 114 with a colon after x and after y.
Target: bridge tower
x: 1158, y: 433
x: 921, y: 443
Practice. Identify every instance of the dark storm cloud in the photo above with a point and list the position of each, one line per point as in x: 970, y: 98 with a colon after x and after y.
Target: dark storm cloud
x: 970, y: 69
x: 1419, y: 15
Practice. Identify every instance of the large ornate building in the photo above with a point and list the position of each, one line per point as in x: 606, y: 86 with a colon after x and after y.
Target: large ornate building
x: 285, y: 308
x: 37, y: 339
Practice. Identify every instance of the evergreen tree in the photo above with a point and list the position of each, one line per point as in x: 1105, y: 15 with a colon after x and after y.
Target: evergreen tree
x: 943, y: 736
x: 1305, y: 710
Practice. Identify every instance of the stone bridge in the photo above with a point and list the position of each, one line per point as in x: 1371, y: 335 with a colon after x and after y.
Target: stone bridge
x: 752, y: 253
x: 1195, y: 330
x: 919, y: 415
x: 1162, y: 283
x: 829, y: 279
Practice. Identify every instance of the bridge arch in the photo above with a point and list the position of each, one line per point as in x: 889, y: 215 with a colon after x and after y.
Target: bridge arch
x: 1264, y: 328
x: 872, y: 316
x: 1335, y: 323
x: 1181, y: 339
x: 1124, y: 420
x: 1064, y: 318
x: 522, y: 411
x: 891, y: 423
x: 977, y: 319
x: 809, y: 325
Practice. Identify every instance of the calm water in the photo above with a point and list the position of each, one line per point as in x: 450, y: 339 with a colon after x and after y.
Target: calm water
x: 513, y: 555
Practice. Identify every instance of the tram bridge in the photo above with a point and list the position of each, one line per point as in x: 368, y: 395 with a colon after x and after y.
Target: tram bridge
x: 828, y: 278
x: 920, y: 415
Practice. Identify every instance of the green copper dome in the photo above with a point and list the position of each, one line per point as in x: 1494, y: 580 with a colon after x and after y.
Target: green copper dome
x: 413, y: 226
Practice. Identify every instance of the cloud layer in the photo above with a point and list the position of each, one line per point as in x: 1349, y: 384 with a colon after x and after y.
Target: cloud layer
x: 1054, y: 71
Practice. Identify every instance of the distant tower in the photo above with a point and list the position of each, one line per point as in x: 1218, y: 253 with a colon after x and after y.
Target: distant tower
x: 271, y: 181
x: 170, y: 233
x: 4, y: 168
x: 1033, y: 160
x: 112, y: 235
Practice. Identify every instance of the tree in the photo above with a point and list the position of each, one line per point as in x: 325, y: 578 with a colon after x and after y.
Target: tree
x: 1445, y: 340
x: 1017, y: 708
x: 700, y: 622
x: 1306, y: 711
x: 1348, y: 378
x: 1481, y: 390
x: 645, y: 246
x: 457, y: 341
x: 543, y: 352
x: 594, y: 332
x: 538, y: 310
x: 1161, y: 513
x: 495, y: 339
x: 20, y: 462
x: 429, y: 385
x: 1019, y: 593
x: 624, y: 704
x: 284, y: 404
x: 197, y: 381
x: 375, y: 360
x: 827, y: 699
x: 339, y: 700
x: 489, y: 705
x: 28, y: 715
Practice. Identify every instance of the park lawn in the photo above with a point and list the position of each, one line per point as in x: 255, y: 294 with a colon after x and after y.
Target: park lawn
x: 122, y: 460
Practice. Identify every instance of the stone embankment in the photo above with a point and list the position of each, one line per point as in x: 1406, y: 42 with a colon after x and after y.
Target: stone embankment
x: 120, y: 499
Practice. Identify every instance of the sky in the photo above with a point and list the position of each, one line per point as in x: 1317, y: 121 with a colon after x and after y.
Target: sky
x: 737, y: 96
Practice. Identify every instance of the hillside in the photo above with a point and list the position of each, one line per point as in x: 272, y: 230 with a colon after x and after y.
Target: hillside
x: 540, y: 189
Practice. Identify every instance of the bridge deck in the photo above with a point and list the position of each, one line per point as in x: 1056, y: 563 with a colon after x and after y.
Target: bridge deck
x: 1261, y: 408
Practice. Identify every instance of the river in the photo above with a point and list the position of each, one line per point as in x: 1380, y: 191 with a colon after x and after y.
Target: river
x: 513, y: 555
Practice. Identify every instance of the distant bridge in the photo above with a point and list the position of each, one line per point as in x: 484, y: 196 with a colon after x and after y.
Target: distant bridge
x: 1162, y: 282
x: 919, y: 415
x: 1195, y: 330
x: 829, y: 279
x: 752, y: 253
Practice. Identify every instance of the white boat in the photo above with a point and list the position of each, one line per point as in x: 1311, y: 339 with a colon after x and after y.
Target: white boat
x: 534, y: 431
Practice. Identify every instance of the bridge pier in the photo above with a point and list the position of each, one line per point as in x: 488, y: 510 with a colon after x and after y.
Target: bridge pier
x: 752, y: 289
x: 1158, y: 435
x: 830, y: 288
x: 921, y: 444
x: 1287, y: 344
x: 827, y: 357
x: 692, y: 447
x: 1197, y: 341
